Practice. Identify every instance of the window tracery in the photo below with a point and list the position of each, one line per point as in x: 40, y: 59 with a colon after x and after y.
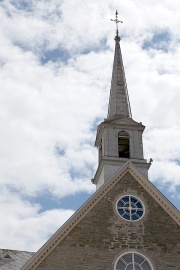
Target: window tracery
x: 133, y: 261
x: 130, y: 208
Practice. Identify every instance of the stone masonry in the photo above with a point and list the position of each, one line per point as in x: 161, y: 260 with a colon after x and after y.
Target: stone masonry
x: 101, y: 236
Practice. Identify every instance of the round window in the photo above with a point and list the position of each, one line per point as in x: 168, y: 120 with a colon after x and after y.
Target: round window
x: 130, y: 208
x: 133, y: 261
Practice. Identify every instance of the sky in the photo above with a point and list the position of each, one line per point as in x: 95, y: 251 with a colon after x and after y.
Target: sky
x: 55, y: 71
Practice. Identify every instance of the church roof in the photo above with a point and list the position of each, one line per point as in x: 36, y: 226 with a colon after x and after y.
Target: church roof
x: 95, y: 198
x: 13, y: 259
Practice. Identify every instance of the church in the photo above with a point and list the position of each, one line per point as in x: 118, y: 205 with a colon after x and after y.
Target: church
x: 127, y: 224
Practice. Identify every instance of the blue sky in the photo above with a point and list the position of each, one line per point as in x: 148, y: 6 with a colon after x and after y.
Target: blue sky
x: 55, y: 72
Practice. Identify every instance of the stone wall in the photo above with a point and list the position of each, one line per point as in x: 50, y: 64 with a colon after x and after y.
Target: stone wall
x: 97, y: 241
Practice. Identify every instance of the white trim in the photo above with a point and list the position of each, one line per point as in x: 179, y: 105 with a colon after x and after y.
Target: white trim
x: 133, y: 252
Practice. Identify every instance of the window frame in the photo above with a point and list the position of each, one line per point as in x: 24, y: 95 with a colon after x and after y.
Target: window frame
x: 123, y: 135
x: 133, y: 253
x: 130, y: 196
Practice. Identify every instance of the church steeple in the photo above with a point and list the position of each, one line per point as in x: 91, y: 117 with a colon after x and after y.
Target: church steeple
x: 119, y: 137
x: 119, y: 104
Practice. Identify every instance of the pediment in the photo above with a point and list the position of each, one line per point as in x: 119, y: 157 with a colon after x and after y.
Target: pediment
x: 93, y: 201
x: 123, y: 121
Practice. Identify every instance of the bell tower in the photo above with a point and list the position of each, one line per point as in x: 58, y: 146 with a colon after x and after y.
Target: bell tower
x: 119, y: 137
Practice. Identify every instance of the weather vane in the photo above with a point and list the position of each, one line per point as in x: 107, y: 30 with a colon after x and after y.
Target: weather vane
x: 116, y: 21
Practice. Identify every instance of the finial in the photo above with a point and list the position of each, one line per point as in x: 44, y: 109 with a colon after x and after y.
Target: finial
x: 117, y: 38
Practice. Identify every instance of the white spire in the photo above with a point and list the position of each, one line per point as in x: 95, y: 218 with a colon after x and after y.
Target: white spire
x: 119, y: 104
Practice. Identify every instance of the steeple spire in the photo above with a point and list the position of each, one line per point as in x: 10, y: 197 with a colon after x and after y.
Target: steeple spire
x: 119, y: 104
x: 119, y: 137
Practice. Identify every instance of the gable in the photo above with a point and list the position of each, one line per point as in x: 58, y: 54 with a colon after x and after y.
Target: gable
x: 96, y: 239
x: 123, y: 121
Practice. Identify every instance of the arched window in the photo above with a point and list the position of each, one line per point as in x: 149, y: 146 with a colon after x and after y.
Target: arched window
x: 123, y: 144
x: 133, y: 261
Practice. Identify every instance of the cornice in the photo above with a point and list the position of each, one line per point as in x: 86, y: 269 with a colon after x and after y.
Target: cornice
x: 142, y: 163
x: 124, y: 126
x: 156, y: 194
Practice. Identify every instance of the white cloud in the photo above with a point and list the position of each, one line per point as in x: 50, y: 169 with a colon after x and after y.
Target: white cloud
x: 44, y: 112
x: 24, y: 226
x: 52, y: 108
x: 164, y: 146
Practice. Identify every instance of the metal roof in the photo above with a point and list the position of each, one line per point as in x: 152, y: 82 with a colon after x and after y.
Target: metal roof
x: 13, y: 259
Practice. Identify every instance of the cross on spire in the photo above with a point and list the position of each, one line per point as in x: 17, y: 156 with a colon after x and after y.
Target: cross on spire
x: 116, y: 21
